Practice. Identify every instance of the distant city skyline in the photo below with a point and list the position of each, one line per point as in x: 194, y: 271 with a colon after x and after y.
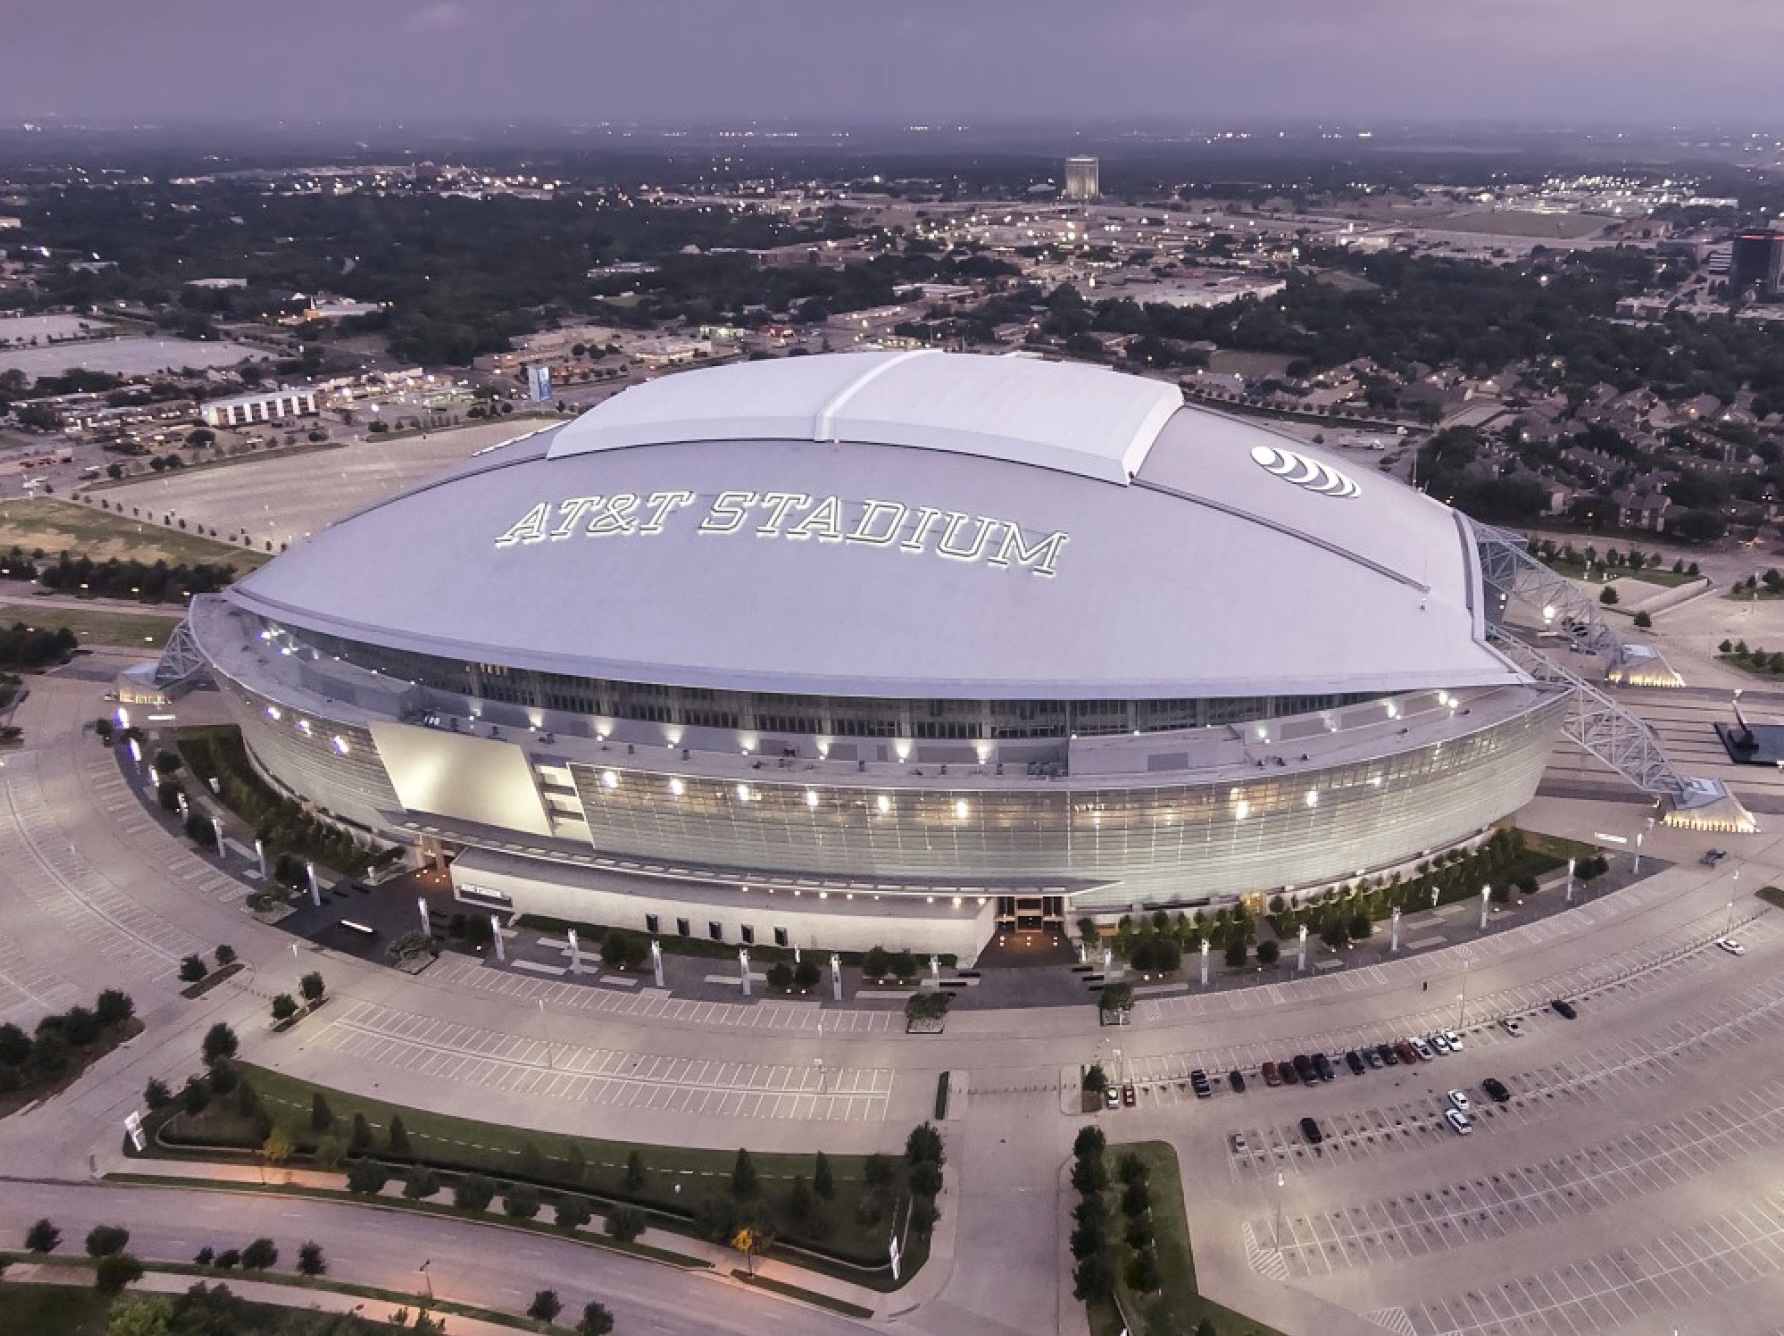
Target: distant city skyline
x: 1641, y: 62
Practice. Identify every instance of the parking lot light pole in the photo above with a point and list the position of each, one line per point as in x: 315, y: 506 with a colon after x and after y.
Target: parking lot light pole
x: 1568, y: 899
x: 1462, y: 997
x: 1280, y: 1181
x: 1486, y: 895
x: 1728, y: 928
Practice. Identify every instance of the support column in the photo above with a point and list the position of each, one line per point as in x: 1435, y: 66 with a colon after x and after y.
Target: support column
x: 495, y: 926
x: 835, y: 978
x: 315, y: 887
x: 427, y: 924
x: 1486, y: 895
x: 656, y: 960
x: 575, y: 953
x: 743, y: 962
x: 1394, y: 932
x: 1301, y: 960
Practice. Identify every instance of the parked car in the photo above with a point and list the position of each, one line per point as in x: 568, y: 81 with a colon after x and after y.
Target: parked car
x: 1271, y: 1076
x: 1127, y: 1095
x: 1564, y: 1009
x: 1404, y: 1052
x: 1198, y: 1080
x: 1389, y: 1055
x: 1240, y: 1145
x: 1454, y: 1040
x: 1354, y: 1061
x: 1304, y: 1069
x: 1373, y: 1057
x: 1286, y: 1070
x: 1322, y: 1067
x: 1495, y: 1089
x: 1459, y: 1099
x: 1236, y: 1080
x: 1310, y: 1130
x: 1421, y: 1048
x: 1713, y: 857
x: 1111, y: 1097
x: 1458, y: 1120
x: 1731, y: 946
x: 1512, y: 1026
x: 1438, y: 1043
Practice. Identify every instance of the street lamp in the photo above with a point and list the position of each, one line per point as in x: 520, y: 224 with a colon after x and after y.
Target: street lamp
x: 1279, y: 1186
x: 428, y: 1280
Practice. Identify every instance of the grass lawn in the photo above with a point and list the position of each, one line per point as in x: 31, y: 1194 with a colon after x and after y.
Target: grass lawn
x: 505, y: 1152
x: 44, y: 522
x: 1663, y: 576
x: 52, y: 1310
x: 1178, y: 1307
x: 96, y: 626
x: 1772, y: 895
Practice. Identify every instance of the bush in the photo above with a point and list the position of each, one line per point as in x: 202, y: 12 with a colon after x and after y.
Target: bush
x: 1643, y: 621
x: 220, y: 1043
x: 806, y: 975
x: 823, y: 1181
x: 321, y: 1116
x: 107, y: 1240
x: 206, y: 1255
x: 284, y: 1007
x: 114, y: 1007
x: 43, y: 1237
x: 1268, y: 952
x: 114, y: 1273
x: 634, y: 1172
x: 521, y: 1201
x: 744, y: 1184
x: 876, y: 964
x: 420, y: 1183
x: 624, y: 1223
x: 780, y: 977
x: 904, y: 966
x: 260, y: 1255
x: 623, y: 950
x: 367, y: 1177
x: 474, y: 1192
x: 1608, y: 596
x: 229, y: 1259
x: 926, y: 1179
x: 573, y: 1212
x: 924, y: 1215
x: 195, y: 1096
x: 225, y: 955
x: 596, y: 1320
x: 924, y: 1146
x: 310, y: 1261
x: 877, y: 1171
x: 311, y: 987
x: 1090, y: 1142
x: 1236, y: 952
x: 156, y: 1095
x: 545, y: 1306
x: 192, y: 969
x: 360, y: 1141
x: 397, y: 1138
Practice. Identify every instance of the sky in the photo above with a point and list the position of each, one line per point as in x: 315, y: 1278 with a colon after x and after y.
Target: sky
x: 979, y: 62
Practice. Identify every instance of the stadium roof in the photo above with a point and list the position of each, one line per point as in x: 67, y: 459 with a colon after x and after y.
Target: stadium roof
x: 1066, y: 416
x: 864, y: 525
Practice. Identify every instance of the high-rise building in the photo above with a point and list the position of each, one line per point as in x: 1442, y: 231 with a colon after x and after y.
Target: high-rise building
x: 1757, y: 262
x: 1081, y: 179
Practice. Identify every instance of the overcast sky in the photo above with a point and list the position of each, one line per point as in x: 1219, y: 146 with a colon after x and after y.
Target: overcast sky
x: 895, y: 61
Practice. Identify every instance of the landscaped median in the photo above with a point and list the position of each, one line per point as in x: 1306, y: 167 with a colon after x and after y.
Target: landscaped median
x: 829, y: 1214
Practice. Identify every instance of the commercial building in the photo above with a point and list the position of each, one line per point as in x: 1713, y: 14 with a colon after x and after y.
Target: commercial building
x: 1081, y: 181
x: 244, y: 410
x: 891, y: 648
x: 1757, y: 262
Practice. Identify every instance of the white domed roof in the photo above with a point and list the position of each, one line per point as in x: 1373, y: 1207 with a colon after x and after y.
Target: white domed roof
x: 909, y: 526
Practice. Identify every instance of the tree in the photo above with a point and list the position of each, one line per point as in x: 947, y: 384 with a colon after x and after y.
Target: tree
x: 366, y: 1178
x: 1608, y: 596
x: 1268, y: 952
x: 206, y: 1255
x: 310, y: 1261
x: 823, y: 1181
x: 114, y: 1007
x: 877, y: 1171
x: 278, y: 1146
x: 220, y: 1044
x: 621, y: 949
x: 311, y: 987
x: 321, y: 1116
x: 260, y: 1255
x: 1115, y: 998
x: 806, y: 975
x: 1643, y: 621
x: 42, y: 1237
x: 1089, y: 1143
x: 420, y: 1183
x: 192, y: 969
x: 360, y: 1142
x: 1236, y: 952
x: 780, y: 976
x: 634, y: 1172
x: 521, y: 1201
x: 624, y: 1223
x: 107, y: 1240
x: 924, y: 1146
x: 114, y: 1273
x: 545, y: 1306
x: 284, y: 1007
x: 330, y: 1151
x: 397, y: 1138
x: 573, y: 1212
x: 474, y: 1192
x: 1093, y: 1278
x: 876, y: 963
x: 596, y: 1321
x: 225, y: 953
x: 924, y: 1215
x: 926, y: 1178
x: 195, y: 1096
x: 141, y: 1317
x: 744, y: 1184
x: 156, y: 1095
x: 799, y: 1199
x: 15, y: 1045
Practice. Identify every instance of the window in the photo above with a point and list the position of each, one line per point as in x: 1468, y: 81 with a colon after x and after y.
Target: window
x: 650, y: 924
x: 748, y: 934
x: 780, y: 936
x: 715, y: 930
x: 682, y: 928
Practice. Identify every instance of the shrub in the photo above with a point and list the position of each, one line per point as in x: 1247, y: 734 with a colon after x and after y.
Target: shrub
x: 156, y: 1095
x: 780, y: 976
x: 195, y: 1096
x: 573, y: 1212
x: 744, y: 1184
x: 1090, y: 1142
x: 114, y: 1273
x: 284, y: 1007
x: 192, y: 969
x: 924, y: 1146
x: 114, y: 1007
x: 634, y: 1172
x: 1268, y: 952
x: 924, y: 1215
x: 220, y: 1043
x: 1643, y: 621
x: 926, y: 1179
x: 621, y: 949
x: 904, y: 966
x: 521, y: 1201
x: 311, y: 987
x: 321, y: 1116
x: 876, y: 964
x: 229, y: 1259
x: 624, y: 1223
x: 360, y: 1142
x: 806, y: 975
x: 367, y: 1177
x: 397, y: 1138
x: 107, y: 1240
x: 1236, y: 952
x: 545, y: 1306
x: 877, y: 1171
x: 474, y: 1192
x: 206, y: 1255
x: 596, y: 1320
x: 43, y: 1237
x: 225, y: 955
x: 310, y: 1261
x: 260, y: 1255
x: 823, y: 1181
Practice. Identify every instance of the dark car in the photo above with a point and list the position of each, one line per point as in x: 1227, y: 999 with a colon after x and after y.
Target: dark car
x: 1237, y: 1081
x: 1305, y: 1070
x: 1563, y: 1008
x: 1272, y: 1077
x: 1495, y: 1089
x: 1310, y: 1130
x: 1198, y: 1079
x: 1406, y: 1054
x: 1387, y: 1054
x: 1322, y: 1066
x: 1354, y: 1061
x: 1288, y: 1073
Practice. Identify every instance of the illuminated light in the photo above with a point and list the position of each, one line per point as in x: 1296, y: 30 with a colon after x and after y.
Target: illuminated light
x: 272, y: 712
x: 930, y: 899
x: 677, y: 786
x: 1242, y: 811
x: 823, y: 895
x: 610, y: 779
x: 960, y: 809
x: 1263, y: 733
x: 743, y: 796
x: 883, y: 803
x: 901, y: 748
x: 1375, y: 781
x: 123, y: 716
x: 340, y: 745
x: 1313, y: 797
x: 303, y: 726
x: 811, y: 798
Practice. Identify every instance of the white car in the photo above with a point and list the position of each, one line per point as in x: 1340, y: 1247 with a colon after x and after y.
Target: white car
x: 1731, y: 946
x: 1459, y: 1099
x: 1512, y: 1026
x: 1420, y: 1047
x: 1459, y: 1121
x: 1438, y: 1043
x: 1454, y: 1040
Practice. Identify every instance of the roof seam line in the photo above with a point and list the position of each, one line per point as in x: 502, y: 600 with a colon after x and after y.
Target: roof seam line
x: 824, y: 424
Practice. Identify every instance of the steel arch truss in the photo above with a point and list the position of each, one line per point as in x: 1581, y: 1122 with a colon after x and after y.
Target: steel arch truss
x: 181, y: 662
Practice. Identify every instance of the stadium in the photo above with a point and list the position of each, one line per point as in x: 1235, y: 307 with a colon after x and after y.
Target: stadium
x: 889, y: 648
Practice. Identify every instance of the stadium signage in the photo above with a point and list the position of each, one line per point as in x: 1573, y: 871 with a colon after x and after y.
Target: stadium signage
x: 795, y: 517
